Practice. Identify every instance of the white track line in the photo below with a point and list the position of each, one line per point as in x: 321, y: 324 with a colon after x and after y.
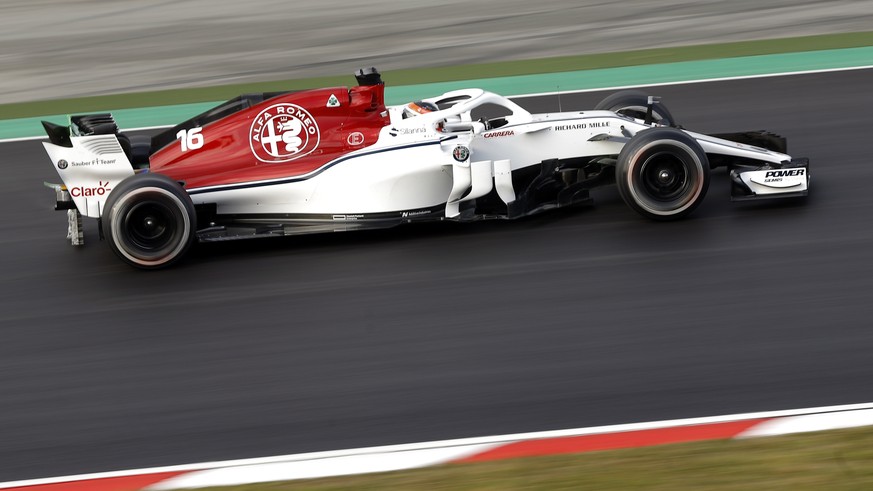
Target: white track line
x: 699, y: 81
x: 311, y: 469
x: 444, y: 444
x: 811, y: 422
x: 579, y: 91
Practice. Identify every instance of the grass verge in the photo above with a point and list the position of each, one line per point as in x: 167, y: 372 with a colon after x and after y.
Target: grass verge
x: 831, y: 460
x: 445, y: 74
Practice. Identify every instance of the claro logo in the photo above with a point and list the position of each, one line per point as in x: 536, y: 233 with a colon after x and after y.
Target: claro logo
x: 102, y: 189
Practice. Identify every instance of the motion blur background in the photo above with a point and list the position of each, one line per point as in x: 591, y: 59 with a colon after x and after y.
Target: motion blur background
x: 572, y: 319
x: 61, y: 48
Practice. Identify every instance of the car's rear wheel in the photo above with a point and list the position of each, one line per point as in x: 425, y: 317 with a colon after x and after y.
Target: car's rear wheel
x: 149, y: 221
x: 662, y: 173
x: 634, y: 104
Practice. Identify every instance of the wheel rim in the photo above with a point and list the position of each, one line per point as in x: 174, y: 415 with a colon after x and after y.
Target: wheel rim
x: 667, y: 178
x: 150, y: 226
x: 664, y: 176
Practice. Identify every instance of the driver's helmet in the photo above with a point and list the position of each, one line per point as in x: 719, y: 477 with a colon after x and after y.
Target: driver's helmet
x: 416, y: 108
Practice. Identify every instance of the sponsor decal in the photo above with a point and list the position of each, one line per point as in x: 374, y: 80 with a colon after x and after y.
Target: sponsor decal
x: 785, y: 173
x: 582, y: 126
x: 283, y: 132
x: 779, y: 178
x: 406, y: 214
x: 568, y: 127
x: 461, y: 153
x: 356, y: 138
x: 498, y: 134
x: 347, y: 218
x: 102, y: 189
x: 412, y: 131
x: 63, y: 164
x: 332, y: 101
x: 778, y: 175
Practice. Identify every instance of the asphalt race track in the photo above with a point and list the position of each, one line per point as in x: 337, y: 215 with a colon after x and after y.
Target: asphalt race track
x: 587, y: 317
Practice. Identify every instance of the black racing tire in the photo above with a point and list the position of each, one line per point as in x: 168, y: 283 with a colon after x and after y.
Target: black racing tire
x: 149, y: 221
x: 634, y: 104
x: 662, y: 173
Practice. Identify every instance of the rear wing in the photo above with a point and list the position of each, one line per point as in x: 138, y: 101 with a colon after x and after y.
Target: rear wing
x: 89, y: 158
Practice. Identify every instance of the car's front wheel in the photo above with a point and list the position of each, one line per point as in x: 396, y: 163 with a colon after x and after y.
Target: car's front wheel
x: 149, y: 221
x: 662, y: 173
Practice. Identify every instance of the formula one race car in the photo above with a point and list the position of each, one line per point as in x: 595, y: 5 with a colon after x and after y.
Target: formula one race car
x: 338, y: 159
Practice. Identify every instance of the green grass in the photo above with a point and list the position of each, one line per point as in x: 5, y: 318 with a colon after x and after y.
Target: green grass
x: 444, y: 74
x: 832, y: 461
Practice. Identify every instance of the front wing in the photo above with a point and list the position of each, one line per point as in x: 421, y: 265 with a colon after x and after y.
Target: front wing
x: 791, y: 179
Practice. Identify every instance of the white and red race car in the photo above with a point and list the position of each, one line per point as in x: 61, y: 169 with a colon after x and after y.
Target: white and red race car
x: 338, y: 159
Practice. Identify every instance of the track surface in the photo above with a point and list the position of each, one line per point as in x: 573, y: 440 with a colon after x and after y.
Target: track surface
x: 573, y: 319
x: 136, y: 45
